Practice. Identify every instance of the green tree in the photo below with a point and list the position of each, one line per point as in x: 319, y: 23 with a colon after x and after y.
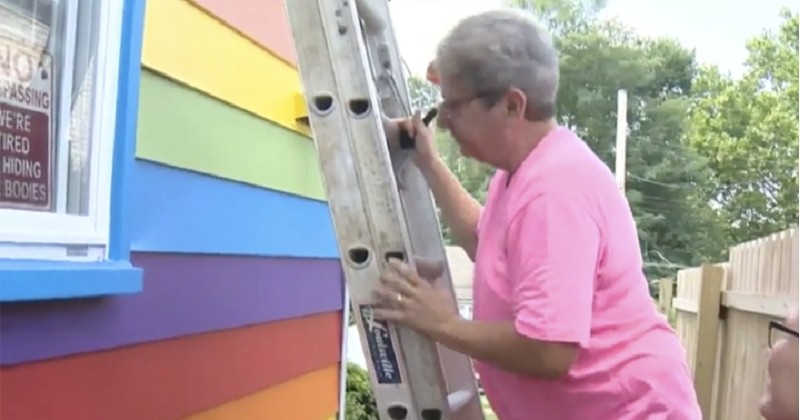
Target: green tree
x: 423, y: 94
x: 747, y: 130
x: 665, y: 178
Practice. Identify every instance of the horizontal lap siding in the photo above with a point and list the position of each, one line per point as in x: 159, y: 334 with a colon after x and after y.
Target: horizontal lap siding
x: 183, y: 295
x: 312, y: 396
x: 173, y: 378
x: 188, y: 44
x: 185, y: 212
x: 263, y: 22
x: 185, y: 128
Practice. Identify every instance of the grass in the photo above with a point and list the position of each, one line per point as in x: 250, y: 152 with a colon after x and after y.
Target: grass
x: 487, y: 411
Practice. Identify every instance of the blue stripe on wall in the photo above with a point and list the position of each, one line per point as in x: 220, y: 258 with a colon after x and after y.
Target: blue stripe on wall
x: 187, y: 212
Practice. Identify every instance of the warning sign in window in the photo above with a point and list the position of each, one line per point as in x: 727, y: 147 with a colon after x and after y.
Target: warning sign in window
x: 26, y: 126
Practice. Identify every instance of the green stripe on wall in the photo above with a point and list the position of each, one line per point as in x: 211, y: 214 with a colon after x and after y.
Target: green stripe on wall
x: 186, y: 129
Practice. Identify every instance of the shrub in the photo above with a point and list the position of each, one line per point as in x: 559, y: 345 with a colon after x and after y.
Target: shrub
x: 359, y: 400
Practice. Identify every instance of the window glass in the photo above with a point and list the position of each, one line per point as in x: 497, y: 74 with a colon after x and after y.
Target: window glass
x: 48, y: 58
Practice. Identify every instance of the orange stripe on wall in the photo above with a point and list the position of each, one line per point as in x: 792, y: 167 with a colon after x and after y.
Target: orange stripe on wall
x: 313, y: 396
x: 172, y: 378
x: 265, y: 22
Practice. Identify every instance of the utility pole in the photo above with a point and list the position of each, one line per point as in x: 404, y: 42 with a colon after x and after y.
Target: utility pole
x: 622, y: 138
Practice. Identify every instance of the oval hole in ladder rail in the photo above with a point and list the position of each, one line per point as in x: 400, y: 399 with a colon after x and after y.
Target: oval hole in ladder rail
x: 397, y: 412
x: 359, y: 107
x: 431, y: 414
x: 323, y: 104
x: 398, y: 255
x: 358, y: 256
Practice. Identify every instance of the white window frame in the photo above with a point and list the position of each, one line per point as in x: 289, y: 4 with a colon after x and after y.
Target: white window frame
x: 58, y: 236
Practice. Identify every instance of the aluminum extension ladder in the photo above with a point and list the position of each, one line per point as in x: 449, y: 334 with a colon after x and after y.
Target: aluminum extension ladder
x: 351, y: 75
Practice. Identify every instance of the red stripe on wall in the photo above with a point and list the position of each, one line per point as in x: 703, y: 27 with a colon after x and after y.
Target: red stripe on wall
x: 173, y: 378
x: 264, y: 21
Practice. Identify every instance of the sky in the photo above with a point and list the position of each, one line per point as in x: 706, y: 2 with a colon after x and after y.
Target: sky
x: 716, y: 29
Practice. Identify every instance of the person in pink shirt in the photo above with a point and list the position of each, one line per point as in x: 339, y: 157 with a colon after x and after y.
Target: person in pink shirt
x: 564, y: 327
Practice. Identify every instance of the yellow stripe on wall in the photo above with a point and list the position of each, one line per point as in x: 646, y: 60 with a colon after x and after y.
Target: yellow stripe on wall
x: 313, y: 396
x: 183, y: 42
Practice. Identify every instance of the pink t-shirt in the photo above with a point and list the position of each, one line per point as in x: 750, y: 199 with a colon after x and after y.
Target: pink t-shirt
x: 558, y: 255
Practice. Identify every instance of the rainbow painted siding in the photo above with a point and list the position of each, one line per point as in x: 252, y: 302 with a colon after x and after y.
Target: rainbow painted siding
x: 241, y: 312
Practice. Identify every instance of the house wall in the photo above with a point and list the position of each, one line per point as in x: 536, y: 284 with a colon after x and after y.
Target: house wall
x: 240, y: 316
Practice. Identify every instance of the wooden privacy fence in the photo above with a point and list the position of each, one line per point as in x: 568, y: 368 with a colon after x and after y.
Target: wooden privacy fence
x: 722, y: 312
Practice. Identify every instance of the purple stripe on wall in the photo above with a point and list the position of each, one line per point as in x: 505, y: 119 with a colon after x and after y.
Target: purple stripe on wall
x: 183, y: 294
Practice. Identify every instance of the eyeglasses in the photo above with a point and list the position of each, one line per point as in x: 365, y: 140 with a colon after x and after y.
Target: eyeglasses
x: 450, y: 107
x: 774, y: 338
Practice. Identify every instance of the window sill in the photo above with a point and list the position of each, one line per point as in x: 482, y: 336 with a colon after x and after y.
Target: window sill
x: 28, y: 280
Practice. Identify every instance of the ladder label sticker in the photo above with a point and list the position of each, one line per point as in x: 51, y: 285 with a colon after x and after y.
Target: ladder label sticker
x: 381, y: 347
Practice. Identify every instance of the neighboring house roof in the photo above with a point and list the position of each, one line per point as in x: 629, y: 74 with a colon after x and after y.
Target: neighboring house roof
x: 461, y: 272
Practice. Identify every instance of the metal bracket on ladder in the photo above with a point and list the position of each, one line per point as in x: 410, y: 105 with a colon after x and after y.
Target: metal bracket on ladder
x: 351, y: 73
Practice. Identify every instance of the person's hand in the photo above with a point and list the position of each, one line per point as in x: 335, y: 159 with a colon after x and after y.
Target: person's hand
x: 424, y: 153
x: 425, y: 142
x: 411, y: 300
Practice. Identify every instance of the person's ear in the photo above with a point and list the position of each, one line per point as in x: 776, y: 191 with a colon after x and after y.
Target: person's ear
x: 432, y: 74
x: 515, y: 103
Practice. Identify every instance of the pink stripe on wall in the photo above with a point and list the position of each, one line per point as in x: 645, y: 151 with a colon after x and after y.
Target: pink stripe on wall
x: 263, y: 21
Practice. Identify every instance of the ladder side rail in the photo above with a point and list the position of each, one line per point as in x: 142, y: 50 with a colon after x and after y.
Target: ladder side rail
x: 420, y: 357
x: 416, y: 199
x: 383, y: 202
x: 387, y: 68
x: 340, y: 177
x: 384, y: 205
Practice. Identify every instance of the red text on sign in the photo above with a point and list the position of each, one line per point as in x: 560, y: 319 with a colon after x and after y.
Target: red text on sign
x: 24, y: 157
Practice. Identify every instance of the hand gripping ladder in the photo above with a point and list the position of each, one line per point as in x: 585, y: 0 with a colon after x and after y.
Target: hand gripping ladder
x: 351, y: 75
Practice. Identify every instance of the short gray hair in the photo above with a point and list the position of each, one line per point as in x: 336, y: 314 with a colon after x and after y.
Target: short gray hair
x: 494, y: 51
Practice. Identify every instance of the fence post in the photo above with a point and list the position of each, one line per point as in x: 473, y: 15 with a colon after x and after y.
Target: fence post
x: 708, y: 308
